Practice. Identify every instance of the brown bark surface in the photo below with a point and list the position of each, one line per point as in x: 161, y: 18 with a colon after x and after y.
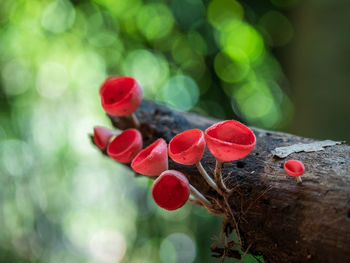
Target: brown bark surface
x: 278, y: 218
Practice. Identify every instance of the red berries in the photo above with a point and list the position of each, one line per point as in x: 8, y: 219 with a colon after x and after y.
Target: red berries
x: 102, y: 136
x: 187, y: 147
x: 294, y: 168
x: 229, y: 140
x: 125, y: 146
x: 120, y: 96
x: 171, y: 190
x: 152, y: 160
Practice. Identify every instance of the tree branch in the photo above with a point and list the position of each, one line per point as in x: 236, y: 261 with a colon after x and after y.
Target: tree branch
x: 278, y: 218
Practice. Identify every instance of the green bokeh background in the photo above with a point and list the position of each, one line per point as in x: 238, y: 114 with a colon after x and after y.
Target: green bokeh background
x: 281, y: 65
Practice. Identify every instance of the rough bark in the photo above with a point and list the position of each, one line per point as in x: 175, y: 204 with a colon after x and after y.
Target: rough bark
x: 277, y: 218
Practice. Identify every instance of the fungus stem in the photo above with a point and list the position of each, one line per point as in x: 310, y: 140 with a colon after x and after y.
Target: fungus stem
x: 299, y: 181
x: 200, y: 197
x: 116, y: 132
x: 135, y: 121
x: 195, y: 201
x: 207, y: 178
x: 218, y: 177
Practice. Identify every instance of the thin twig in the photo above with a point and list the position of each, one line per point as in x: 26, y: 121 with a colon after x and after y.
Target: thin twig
x: 245, y: 253
x: 257, y: 259
x: 225, y: 250
x: 234, y: 220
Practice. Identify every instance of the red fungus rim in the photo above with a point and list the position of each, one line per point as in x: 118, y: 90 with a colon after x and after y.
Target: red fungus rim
x: 123, y: 142
x: 238, y: 127
x: 116, y: 89
x: 177, y: 180
x: 146, y: 153
x: 97, y: 138
x: 294, y: 168
x: 184, y: 141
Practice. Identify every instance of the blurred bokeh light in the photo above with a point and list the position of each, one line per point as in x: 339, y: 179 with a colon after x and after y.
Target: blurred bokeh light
x: 60, y: 200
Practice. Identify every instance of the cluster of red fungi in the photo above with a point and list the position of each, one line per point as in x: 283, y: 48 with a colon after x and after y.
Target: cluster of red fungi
x: 227, y: 141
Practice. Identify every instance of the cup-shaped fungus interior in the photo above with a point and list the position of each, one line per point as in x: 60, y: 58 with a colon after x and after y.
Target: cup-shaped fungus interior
x: 145, y: 153
x: 125, y: 146
x: 120, y: 96
x: 294, y: 168
x: 187, y: 147
x: 116, y: 89
x: 152, y: 160
x: 232, y: 132
x: 229, y: 140
x: 102, y: 136
x: 171, y: 190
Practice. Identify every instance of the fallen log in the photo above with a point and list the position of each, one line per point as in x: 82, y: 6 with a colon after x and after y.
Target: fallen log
x: 277, y: 218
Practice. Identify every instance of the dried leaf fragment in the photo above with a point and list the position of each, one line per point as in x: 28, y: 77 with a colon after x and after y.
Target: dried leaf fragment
x: 283, y: 152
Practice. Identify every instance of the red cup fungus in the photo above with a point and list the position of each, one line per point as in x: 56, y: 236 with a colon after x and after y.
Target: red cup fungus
x: 120, y: 96
x: 229, y: 140
x: 171, y: 190
x: 187, y: 147
x: 102, y: 136
x: 153, y: 160
x: 294, y: 168
x: 124, y: 147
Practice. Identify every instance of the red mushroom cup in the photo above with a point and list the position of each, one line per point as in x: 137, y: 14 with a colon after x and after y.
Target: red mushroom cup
x: 120, y: 96
x: 102, y: 136
x: 187, y: 147
x: 171, y: 190
x: 294, y: 168
x: 153, y: 160
x: 125, y: 146
x: 229, y: 140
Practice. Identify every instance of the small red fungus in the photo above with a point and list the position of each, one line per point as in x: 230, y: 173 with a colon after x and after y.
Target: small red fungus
x: 171, y: 190
x: 229, y: 140
x: 102, y: 136
x: 187, y: 147
x: 294, y: 168
x: 153, y: 160
x: 125, y: 146
x: 120, y: 96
